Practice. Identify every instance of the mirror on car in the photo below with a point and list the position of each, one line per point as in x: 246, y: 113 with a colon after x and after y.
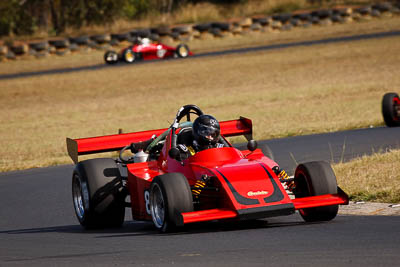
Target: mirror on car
x: 252, y: 145
x: 174, y: 153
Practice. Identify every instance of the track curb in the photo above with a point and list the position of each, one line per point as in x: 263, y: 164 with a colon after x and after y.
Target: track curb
x: 370, y: 209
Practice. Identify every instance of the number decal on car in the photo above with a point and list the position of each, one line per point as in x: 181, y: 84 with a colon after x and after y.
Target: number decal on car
x: 161, y: 53
x: 147, y: 201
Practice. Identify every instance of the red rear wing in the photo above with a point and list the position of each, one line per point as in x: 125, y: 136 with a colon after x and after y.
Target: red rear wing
x: 107, y: 143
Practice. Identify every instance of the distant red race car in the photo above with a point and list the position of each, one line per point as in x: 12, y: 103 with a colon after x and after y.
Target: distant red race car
x: 144, y: 49
x: 391, y: 109
x: 222, y: 183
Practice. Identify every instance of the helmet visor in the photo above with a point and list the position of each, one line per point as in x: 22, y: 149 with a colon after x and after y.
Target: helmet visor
x: 209, y: 133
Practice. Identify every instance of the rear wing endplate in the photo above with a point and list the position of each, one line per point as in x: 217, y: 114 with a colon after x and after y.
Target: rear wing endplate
x: 107, y: 143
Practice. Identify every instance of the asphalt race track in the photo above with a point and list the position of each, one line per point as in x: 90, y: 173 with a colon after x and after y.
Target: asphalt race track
x: 38, y: 225
x: 217, y: 53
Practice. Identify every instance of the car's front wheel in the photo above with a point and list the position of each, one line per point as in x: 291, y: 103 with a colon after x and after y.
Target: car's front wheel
x: 98, y: 193
x: 182, y: 51
x: 314, y: 179
x: 170, y: 195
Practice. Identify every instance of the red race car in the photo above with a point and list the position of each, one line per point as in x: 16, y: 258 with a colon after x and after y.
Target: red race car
x: 162, y: 185
x: 144, y: 49
x: 391, y: 109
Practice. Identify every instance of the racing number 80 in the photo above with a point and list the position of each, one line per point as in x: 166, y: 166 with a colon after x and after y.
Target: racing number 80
x: 147, y: 201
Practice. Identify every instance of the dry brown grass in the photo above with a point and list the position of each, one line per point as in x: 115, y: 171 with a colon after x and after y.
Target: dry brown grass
x: 80, y: 59
x: 371, y: 178
x: 286, y: 92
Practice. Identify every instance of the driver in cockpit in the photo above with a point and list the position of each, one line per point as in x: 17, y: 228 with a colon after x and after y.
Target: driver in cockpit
x: 206, y: 134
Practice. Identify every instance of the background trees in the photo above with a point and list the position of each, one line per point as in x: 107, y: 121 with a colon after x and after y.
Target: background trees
x: 53, y: 17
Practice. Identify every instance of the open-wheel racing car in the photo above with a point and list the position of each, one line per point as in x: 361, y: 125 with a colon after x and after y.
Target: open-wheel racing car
x: 224, y: 183
x: 144, y: 49
x: 391, y: 109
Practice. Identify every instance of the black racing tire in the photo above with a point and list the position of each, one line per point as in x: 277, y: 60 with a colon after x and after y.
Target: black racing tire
x: 20, y: 48
x: 98, y: 194
x: 314, y: 179
x: 315, y: 20
x: 344, y: 12
x: 302, y: 16
x: 391, y: 109
x: 163, y: 30
x: 263, y: 21
x: 182, y: 50
x: 202, y: 27
x: 322, y: 14
x: 366, y: 10
x: 175, y: 35
x: 223, y: 26
x: 79, y: 40
x: 111, y: 57
x: 283, y: 18
x: 337, y: 18
x: 182, y: 29
x: 216, y: 32
x: 375, y: 13
x: 101, y: 38
x: 142, y: 33
x: 59, y: 43
x: 154, y: 37
x: 295, y: 22
x: 39, y: 46
x: 266, y: 150
x: 120, y: 36
x: 170, y: 195
x: 129, y: 56
x: 382, y: 7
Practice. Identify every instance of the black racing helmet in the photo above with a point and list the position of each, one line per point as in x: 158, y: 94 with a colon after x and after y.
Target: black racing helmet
x: 206, y: 130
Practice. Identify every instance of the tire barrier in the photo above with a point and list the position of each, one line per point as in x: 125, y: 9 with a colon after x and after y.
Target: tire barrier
x: 202, y: 31
x: 19, y: 48
x: 79, y: 40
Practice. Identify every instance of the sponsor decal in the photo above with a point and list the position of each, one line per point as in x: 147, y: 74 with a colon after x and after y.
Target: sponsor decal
x: 183, y: 148
x: 257, y: 193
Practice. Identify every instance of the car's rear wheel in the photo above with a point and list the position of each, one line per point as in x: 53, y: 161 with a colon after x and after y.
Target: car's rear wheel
x: 391, y: 109
x: 182, y: 50
x: 98, y: 194
x: 129, y: 56
x: 314, y: 179
x: 111, y: 57
x: 170, y: 195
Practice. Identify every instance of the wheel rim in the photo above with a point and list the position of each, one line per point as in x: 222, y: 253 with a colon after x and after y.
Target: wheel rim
x: 78, y: 198
x: 183, y: 51
x: 157, y: 206
x: 111, y: 57
x: 129, y: 56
